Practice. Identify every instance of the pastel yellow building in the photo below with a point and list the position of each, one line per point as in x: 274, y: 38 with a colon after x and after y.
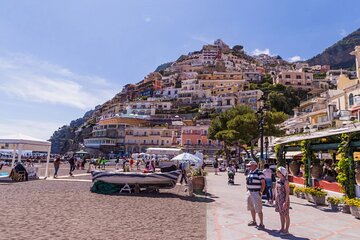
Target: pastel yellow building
x: 138, y: 139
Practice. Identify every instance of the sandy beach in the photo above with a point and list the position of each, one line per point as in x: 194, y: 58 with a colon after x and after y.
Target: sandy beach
x: 56, y: 209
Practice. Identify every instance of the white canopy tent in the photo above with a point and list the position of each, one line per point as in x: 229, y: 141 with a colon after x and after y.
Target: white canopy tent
x: 20, y: 142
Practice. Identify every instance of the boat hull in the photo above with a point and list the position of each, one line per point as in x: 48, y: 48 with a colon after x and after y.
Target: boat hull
x: 166, y: 179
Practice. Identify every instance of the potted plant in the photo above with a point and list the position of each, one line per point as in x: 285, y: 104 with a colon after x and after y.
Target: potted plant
x: 315, y: 195
x: 334, y: 203
x: 316, y: 168
x: 291, y: 188
x: 345, y: 208
x: 197, y: 178
x: 299, y: 192
x: 294, y: 167
x: 354, y: 204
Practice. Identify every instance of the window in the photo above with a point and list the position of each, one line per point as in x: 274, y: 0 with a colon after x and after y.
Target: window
x: 298, y: 76
x: 351, y: 99
x: 228, y: 102
x: 287, y: 76
x: 188, y: 141
x: 199, y: 141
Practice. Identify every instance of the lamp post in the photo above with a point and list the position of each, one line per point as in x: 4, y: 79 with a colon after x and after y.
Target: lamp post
x: 266, y: 148
x: 260, y: 113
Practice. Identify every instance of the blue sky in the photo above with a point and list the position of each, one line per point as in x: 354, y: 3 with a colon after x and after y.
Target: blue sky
x: 59, y: 59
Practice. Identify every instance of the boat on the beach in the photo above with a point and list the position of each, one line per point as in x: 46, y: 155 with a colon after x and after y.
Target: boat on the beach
x: 157, y: 179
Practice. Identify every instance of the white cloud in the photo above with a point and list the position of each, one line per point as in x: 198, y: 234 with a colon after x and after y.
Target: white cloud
x: 258, y: 51
x: 295, y: 59
x: 37, y: 129
x: 29, y: 79
x: 147, y: 19
x: 343, y: 33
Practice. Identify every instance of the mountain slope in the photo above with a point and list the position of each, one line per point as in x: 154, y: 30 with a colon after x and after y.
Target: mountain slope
x: 338, y: 55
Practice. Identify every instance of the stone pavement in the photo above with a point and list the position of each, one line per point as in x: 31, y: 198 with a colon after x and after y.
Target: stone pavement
x: 227, y: 216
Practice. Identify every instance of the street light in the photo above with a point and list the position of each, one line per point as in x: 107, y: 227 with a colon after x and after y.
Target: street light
x: 266, y: 148
x: 260, y: 113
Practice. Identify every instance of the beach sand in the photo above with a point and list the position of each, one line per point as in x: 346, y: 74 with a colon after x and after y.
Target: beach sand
x: 45, y: 209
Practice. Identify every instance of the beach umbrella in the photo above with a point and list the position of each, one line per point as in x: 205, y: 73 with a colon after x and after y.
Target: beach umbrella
x: 186, y: 157
x: 81, y: 152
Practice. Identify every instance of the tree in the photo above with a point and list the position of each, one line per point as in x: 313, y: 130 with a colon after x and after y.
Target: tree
x: 238, y: 48
x: 238, y: 127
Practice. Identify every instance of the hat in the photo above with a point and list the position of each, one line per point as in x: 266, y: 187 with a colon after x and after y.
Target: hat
x: 251, y: 163
x: 283, y: 171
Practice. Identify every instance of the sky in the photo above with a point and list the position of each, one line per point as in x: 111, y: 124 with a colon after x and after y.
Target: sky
x: 59, y: 59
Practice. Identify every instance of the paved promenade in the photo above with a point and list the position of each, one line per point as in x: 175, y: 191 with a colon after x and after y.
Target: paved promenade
x: 227, y: 216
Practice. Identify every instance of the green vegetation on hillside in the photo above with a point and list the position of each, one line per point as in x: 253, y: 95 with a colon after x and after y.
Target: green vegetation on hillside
x: 338, y: 55
x: 281, y: 98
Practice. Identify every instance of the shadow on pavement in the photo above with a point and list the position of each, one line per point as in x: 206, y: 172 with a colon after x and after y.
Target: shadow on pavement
x: 278, y: 235
x: 319, y: 207
x: 210, y: 195
x: 166, y: 195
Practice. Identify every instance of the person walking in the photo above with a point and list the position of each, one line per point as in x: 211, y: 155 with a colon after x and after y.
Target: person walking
x: 117, y: 163
x: 282, y: 200
x: 182, y: 168
x: 268, y: 174
x: 83, y: 163
x: 255, y: 184
x: 72, y: 165
x: 131, y: 164
x: 56, y: 166
x: 216, y: 166
x: 102, y: 163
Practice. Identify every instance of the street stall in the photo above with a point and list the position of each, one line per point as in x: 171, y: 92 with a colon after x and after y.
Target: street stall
x: 326, y: 157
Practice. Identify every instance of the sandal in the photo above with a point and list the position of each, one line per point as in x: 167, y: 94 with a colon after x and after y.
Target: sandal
x: 252, y: 223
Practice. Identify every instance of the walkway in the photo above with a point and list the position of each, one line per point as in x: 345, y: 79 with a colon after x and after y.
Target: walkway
x: 227, y: 216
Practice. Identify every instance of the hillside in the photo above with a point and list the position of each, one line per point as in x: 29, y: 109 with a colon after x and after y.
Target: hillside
x: 338, y: 55
x: 217, y: 58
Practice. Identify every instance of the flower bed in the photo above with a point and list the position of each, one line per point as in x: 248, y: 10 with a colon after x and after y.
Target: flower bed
x: 354, y: 204
x: 315, y: 195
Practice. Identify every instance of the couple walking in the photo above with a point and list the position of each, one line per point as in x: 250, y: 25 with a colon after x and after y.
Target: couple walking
x: 255, y: 183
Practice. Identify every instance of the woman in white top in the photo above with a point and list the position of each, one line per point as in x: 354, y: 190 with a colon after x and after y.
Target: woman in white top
x: 268, y: 173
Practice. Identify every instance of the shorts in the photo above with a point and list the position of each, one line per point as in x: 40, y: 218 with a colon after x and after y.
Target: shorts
x: 254, y: 201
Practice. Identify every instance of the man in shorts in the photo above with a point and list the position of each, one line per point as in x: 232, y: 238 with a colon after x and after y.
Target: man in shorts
x: 255, y: 184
